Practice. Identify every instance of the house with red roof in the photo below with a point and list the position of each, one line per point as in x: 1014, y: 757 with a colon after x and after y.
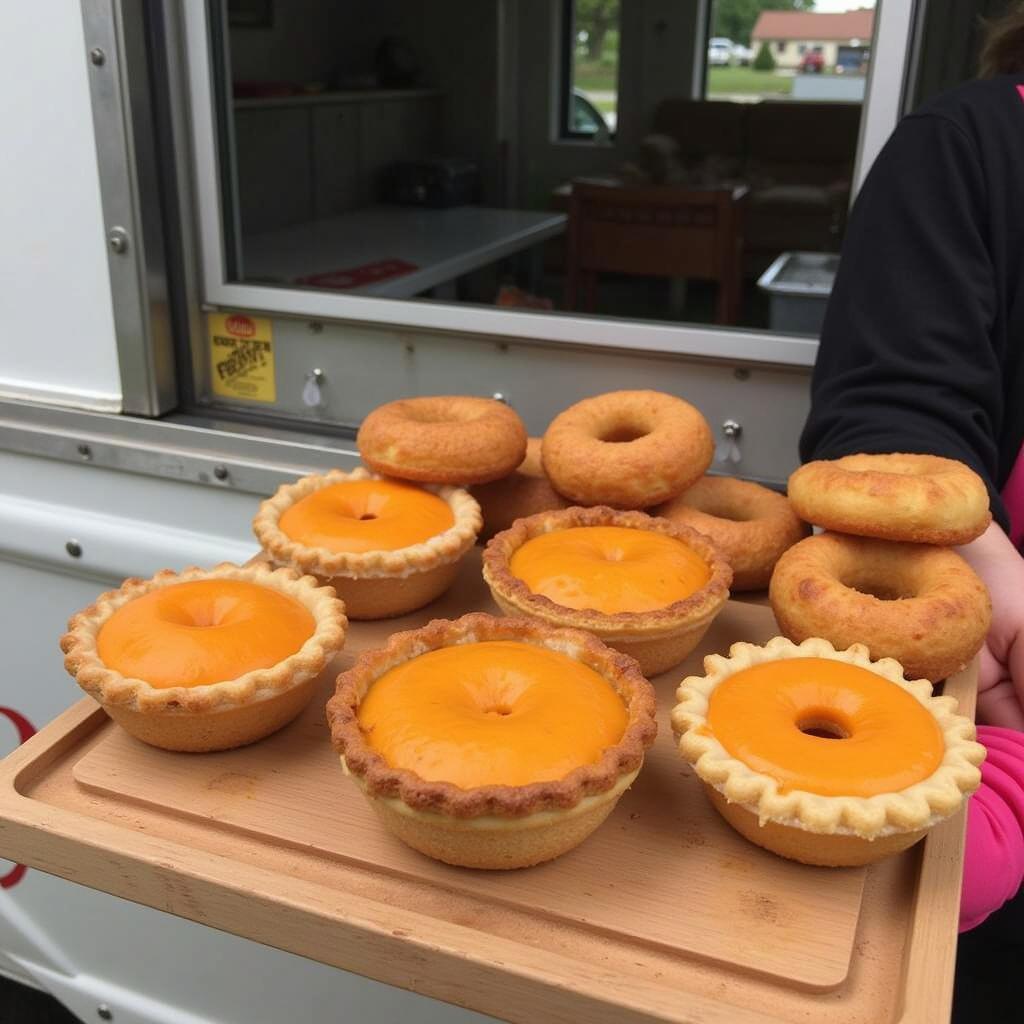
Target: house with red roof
x: 842, y: 39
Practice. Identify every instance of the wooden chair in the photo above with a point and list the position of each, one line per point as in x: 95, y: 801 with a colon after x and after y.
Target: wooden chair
x: 656, y: 231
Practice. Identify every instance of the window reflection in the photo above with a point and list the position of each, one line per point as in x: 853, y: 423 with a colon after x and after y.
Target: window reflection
x: 625, y: 159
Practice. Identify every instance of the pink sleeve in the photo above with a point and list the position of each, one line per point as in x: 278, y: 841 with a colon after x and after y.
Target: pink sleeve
x: 994, y: 855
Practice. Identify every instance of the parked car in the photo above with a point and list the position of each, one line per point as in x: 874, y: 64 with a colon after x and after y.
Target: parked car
x: 852, y: 60
x: 812, y: 63
x: 586, y: 119
x: 742, y: 55
x: 720, y: 52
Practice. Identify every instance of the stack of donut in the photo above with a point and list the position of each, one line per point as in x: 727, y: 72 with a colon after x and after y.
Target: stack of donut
x: 884, y: 573
x: 624, y: 449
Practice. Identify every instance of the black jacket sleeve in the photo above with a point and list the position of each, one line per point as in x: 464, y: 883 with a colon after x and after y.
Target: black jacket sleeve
x: 907, y: 361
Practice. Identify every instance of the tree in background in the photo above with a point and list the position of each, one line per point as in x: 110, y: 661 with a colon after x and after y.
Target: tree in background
x: 764, y: 61
x: 735, y: 19
x: 597, y: 18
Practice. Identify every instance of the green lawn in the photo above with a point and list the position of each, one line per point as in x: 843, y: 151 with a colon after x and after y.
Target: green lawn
x: 601, y: 78
x: 596, y: 77
x: 747, y: 80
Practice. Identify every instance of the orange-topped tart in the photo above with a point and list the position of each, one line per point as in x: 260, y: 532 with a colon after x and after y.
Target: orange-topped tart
x: 611, y: 569
x: 205, y: 659
x: 492, y: 743
x: 646, y: 586
x: 356, y: 516
x: 386, y: 546
x: 824, y: 756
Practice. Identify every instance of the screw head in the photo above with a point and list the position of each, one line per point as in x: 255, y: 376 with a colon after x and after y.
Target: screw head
x: 73, y: 548
x: 117, y: 239
x: 97, y: 56
x: 221, y: 472
x: 85, y: 451
x: 741, y: 373
x: 104, y: 1012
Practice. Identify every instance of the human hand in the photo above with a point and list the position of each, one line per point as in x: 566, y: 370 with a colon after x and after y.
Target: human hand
x: 1001, y: 677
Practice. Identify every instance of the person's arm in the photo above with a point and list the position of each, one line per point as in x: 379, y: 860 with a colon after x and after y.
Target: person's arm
x: 906, y: 361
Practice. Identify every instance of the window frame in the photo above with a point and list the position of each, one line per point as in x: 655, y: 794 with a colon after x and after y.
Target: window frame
x: 882, y: 108
x: 566, y: 91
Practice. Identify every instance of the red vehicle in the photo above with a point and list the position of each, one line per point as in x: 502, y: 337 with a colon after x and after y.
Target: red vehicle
x: 812, y: 62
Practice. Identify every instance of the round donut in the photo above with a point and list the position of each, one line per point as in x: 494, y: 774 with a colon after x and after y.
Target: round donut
x: 523, y: 493
x: 751, y: 525
x: 920, y: 498
x: 443, y: 439
x: 922, y: 605
x: 627, y: 449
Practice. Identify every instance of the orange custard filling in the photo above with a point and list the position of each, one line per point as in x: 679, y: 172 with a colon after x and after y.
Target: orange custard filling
x: 610, y: 569
x: 825, y: 727
x: 367, y: 515
x: 204, y: 631
x: 499, y: 713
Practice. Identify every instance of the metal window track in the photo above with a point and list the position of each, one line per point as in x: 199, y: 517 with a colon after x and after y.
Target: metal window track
x: 215, y: 452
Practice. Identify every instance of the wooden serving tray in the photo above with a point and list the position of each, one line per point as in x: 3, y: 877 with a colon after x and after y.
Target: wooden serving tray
x: 663, y: 914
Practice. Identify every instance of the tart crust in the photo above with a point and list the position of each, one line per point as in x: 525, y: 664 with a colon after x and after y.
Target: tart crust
x: 810, y: 827
x: 215, y: 716
x: 373, y: 584
x: 657, y: 639
x: 493, y: 826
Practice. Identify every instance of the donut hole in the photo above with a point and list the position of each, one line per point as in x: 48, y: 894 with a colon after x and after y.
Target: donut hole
x: 886, y: 592
x: 731, y: 513
x: 823, y: 727
x: 882, y: 590
x: 622, y: 433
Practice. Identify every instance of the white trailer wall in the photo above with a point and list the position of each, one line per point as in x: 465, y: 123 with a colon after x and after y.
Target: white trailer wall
x: 56, y: 318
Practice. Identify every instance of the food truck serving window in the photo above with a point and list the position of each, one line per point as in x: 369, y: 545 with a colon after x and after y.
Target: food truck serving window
x: 407, y: 164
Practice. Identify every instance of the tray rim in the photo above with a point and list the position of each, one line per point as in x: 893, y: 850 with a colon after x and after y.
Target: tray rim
x: 392, y: 944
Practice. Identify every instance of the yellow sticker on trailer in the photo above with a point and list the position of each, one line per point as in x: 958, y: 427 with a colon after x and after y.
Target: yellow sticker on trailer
x: 242, y: 356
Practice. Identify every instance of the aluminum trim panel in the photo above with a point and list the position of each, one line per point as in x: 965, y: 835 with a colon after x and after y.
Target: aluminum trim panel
x: 119, y: 90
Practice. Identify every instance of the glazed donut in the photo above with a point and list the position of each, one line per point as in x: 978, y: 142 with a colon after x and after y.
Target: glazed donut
x: 922, y: 605
x: 523, y: 493
x: 749, y: 524
x: 626, y: 449
x: 920, y: 498
x: 452, y: 439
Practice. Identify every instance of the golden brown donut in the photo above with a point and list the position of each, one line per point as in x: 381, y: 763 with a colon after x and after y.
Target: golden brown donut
x: 748, y: 523
x: 523, y: 493
x: 922, y: 605
x: 627, y: 449
x: 531, y: 464
x: 443, y: 439
x: 920, y: 498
